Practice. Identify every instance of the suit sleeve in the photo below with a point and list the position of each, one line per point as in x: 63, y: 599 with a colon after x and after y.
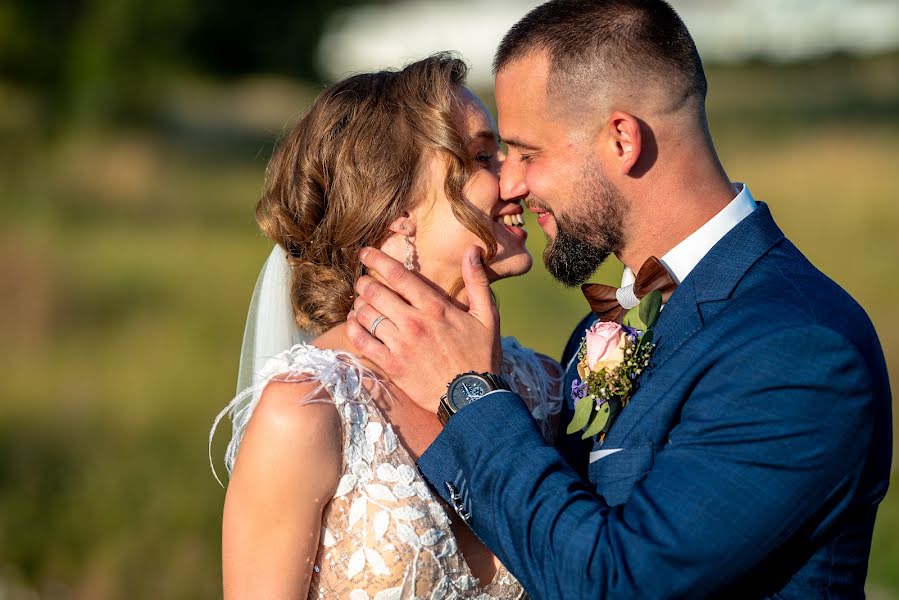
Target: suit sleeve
x: 760, y: 450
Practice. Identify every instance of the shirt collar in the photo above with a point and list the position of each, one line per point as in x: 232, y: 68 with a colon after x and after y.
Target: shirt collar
x: 681, y: 259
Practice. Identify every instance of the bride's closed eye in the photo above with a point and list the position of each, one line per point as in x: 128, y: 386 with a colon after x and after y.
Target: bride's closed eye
x: 483, y: 148
x: 484, y: 158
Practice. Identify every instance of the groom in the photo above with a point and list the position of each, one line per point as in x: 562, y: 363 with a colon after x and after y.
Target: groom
x: 753, y: 456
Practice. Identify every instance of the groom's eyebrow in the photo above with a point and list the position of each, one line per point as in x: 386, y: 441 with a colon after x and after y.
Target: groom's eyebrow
x: 518, y: 144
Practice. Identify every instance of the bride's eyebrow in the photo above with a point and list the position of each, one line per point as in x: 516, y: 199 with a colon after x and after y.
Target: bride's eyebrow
x: 484, y: 134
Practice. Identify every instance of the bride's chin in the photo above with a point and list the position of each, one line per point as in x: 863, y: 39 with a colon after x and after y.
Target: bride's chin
x: 512, y: 266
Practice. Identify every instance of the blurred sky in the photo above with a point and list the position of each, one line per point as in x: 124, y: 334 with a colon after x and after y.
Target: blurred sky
x: 372, y: 37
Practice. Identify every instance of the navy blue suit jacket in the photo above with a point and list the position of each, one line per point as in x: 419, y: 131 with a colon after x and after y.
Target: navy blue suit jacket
x: 753, y: 455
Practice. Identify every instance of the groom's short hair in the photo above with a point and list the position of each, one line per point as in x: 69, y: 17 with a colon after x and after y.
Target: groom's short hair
x: 610, y: 45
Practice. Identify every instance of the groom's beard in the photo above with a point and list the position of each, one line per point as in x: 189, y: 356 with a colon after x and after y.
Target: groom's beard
x: 587, y: 235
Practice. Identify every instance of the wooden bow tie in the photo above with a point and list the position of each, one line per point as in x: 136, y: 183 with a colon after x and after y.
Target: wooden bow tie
x: 652, y: 276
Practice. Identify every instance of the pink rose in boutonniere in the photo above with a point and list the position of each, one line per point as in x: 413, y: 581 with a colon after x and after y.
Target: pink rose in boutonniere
x: 611, y: 358
x: 606, y: 345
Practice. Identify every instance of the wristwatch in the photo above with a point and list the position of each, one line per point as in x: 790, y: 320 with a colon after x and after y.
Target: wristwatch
x: 465, y: 389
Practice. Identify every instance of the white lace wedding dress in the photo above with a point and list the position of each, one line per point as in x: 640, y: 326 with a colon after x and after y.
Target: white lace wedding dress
x: 385, y: 535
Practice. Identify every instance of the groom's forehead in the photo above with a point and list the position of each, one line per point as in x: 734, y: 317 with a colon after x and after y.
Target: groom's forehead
x: 523, y: 83
x: 526, y: 112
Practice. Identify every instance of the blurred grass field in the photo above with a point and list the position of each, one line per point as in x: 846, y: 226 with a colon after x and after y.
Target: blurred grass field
x: 128, y: 257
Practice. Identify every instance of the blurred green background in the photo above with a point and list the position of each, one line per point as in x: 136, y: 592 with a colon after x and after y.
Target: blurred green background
x: 133, y: 142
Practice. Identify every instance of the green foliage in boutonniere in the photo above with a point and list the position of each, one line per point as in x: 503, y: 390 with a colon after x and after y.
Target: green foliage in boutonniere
x: 610, y: 360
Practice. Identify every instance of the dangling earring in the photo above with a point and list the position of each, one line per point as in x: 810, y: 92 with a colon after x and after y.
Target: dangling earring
x: 408, y: 262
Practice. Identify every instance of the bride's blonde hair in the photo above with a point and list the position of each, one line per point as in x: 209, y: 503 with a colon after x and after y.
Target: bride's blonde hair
x: 352, y: 166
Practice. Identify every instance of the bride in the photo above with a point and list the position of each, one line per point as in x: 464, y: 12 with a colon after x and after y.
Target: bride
x: 324, y: 500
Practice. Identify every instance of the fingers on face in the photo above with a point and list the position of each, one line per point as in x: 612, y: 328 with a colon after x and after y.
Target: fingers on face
x: 477, y: 284
x: 377, y: 260
x: 407, y: 283
x: 381, y: 297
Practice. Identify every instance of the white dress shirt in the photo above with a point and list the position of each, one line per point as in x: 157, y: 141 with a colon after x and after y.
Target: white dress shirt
x: 682, y: 259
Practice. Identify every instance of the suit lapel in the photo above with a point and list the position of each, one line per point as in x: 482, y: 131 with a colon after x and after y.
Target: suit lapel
x: 679, y: 320
x: 718, y: 273
x: 713, y: 280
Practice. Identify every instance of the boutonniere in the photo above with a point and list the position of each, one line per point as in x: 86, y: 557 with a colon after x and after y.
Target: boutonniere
x: 610, y: 360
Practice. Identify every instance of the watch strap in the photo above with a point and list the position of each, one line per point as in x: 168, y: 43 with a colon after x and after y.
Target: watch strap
x: 498, y: 382
x: 443, y: 413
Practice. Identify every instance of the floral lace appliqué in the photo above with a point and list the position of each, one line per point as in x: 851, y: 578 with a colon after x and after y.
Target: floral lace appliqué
x: 384, y: 535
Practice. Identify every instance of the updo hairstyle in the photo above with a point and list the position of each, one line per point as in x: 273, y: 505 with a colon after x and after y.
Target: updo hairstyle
x: 353, y: 165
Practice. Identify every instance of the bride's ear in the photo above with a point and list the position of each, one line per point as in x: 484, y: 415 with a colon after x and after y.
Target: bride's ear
x: 404, y: 225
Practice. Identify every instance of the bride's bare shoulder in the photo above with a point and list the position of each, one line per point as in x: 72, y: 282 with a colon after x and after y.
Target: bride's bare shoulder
x: 286, y: 471
x: 295, y: 433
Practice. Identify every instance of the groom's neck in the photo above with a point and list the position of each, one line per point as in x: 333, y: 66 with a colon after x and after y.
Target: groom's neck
x: 667, y: 208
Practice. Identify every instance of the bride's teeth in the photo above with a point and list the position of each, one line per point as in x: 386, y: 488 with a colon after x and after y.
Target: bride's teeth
x: 512, y: 220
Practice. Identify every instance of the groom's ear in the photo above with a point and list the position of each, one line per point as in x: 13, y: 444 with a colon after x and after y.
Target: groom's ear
x: 625, y: 140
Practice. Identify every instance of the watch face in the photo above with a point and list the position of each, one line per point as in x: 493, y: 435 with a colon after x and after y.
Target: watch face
x: 466, y: 389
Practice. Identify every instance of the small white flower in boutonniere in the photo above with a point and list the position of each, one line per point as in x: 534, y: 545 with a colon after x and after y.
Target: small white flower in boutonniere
x: 610, y: 361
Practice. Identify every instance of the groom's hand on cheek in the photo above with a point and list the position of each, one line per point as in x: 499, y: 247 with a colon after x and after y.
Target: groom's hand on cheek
x: 424, y: 341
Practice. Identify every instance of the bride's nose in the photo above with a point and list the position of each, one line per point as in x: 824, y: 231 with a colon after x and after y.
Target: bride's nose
x: 499, y: 159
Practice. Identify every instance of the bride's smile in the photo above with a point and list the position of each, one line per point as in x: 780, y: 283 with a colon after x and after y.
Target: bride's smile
x: 438, y: 236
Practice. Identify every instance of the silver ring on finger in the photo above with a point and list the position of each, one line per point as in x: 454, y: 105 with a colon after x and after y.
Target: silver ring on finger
x: 375, y: 324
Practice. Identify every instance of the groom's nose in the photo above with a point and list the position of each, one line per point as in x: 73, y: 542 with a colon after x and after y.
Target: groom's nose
x: 511, y: 180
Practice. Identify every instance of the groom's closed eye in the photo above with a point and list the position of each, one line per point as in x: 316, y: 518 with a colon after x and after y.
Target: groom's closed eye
x: 524, y: 151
